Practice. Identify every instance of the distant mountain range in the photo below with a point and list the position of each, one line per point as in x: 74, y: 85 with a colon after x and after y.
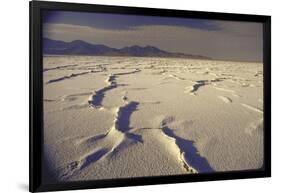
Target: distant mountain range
x: 79, y: 47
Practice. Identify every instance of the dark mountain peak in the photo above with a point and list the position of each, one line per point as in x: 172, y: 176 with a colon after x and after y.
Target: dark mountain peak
x: 136, y: 50
x: 76, y: 47
x: 49, y: 42
x: 153, y: 48
x: 83, y: 43
x: 80, y: 47
x: 79, y: 42
x: 134, y: 47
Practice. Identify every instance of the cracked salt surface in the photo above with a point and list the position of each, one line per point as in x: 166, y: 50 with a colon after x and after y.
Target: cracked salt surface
x: 118, y: 117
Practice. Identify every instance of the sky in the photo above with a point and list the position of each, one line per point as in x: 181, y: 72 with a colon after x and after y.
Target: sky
x: 227, y: 40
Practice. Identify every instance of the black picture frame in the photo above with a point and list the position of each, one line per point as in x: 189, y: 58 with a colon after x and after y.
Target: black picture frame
x: 36, y: 97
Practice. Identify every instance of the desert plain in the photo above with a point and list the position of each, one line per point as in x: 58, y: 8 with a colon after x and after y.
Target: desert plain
x: 124, y: 117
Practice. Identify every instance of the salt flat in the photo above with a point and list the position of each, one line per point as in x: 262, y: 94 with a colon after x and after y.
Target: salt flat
x: 119, y: 117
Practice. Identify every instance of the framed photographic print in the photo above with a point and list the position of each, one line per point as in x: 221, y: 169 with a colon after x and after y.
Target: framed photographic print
x: 124, y: 96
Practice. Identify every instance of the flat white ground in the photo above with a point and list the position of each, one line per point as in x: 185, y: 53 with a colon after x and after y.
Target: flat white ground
x: 118, y: 117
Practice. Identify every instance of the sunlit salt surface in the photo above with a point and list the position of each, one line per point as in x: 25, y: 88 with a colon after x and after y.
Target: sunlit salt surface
x: 119, y: 117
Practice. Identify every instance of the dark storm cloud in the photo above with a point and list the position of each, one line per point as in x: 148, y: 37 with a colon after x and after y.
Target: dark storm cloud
x: 122, y: 22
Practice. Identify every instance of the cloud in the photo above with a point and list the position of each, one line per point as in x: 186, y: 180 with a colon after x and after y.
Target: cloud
x: 122, y: 21
x: 234, y: 40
